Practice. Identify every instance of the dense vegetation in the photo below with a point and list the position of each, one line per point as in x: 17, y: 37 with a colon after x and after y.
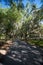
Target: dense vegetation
x: 22, y: 22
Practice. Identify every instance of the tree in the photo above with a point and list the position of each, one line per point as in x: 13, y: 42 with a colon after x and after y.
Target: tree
x: 31, y: 21
x: 29, y: 17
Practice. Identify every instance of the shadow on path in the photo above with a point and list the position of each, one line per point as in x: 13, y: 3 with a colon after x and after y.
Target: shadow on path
x: 9, y: 61
x: 21, y: 53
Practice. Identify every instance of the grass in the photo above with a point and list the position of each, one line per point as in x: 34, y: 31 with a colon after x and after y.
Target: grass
x: 36, y: 42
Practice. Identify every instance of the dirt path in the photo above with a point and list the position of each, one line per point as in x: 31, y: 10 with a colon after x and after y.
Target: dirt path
x: 21, y: 53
